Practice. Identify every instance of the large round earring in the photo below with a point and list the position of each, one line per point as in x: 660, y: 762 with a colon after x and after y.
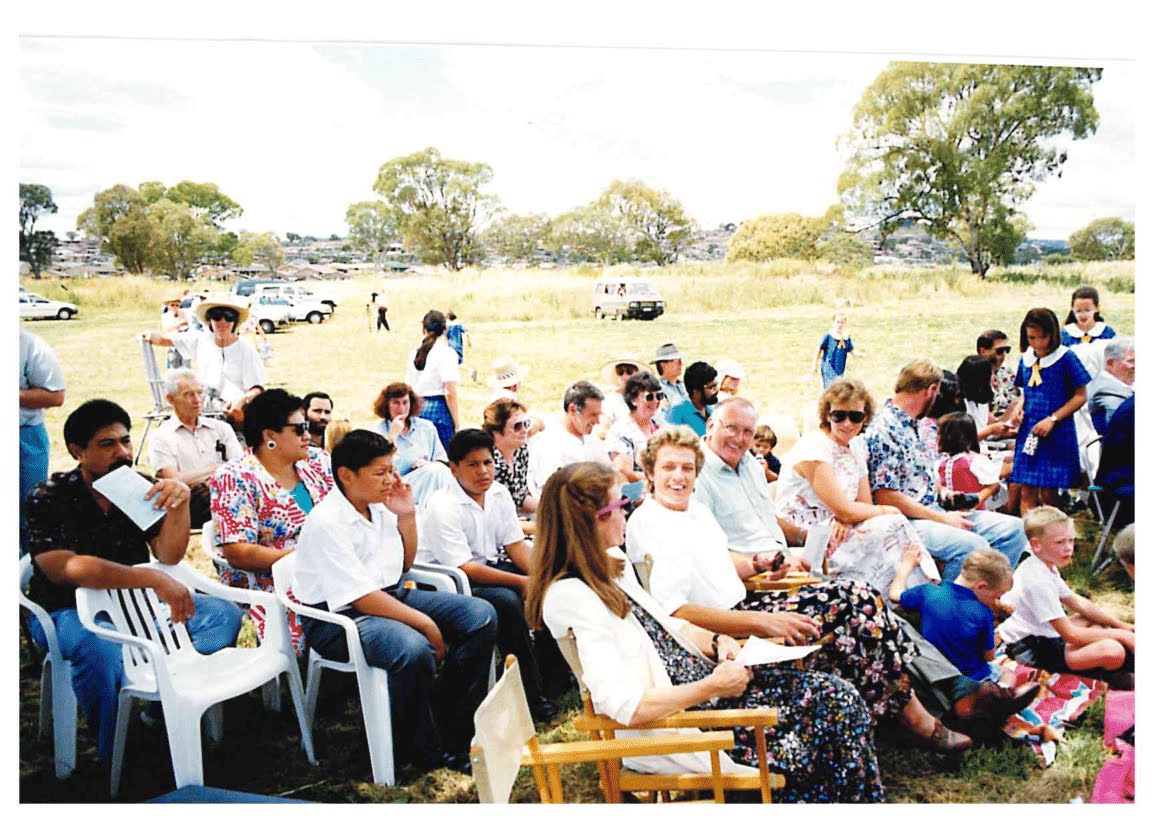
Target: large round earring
x: 271, y: 444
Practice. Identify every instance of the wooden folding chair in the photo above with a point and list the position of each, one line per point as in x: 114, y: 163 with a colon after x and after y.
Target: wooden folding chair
x: 615, y: 781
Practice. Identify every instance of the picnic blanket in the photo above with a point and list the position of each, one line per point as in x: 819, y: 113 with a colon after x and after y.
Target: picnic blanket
x: 1061, y: 700
x: 1115, y: 781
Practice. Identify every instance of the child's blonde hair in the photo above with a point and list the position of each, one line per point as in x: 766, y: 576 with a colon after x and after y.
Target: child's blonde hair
x: 1038, y: 520
x: 989, y: 566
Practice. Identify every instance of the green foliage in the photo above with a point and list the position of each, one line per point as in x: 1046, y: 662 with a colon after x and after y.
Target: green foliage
x: 846, y: 250
x: 589, y: 233
x: 438, y: 204
x: 1106, y: 239
x: 654, y: 220
x: 263, y: 249
x: 36, y: 246
x: 372, y: 227
x: 517, y: 237
x: 1058, y: 258
x: 205, y: 201
x: 959, y: 147
x: 768, y: 237
x: 179, y: 238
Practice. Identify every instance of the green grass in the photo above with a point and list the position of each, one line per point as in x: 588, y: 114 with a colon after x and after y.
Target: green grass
x: 769, y: 317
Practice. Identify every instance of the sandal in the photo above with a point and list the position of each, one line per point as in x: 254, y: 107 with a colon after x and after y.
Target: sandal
x: 943, y: 739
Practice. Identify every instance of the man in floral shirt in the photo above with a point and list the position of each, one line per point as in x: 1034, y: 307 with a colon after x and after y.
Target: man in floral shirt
x: 902, y: 474
x: 994, y: 345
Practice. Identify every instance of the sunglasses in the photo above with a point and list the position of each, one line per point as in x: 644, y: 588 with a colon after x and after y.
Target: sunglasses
x: 712, y: 386
x: 300, y: 428
x: 520, y: 425
x: 1003, y: 349
x: 607, y: 509
x: 854, y: 416
x: 222, y: 316
x: 626, y: 370
x: 657, y: 395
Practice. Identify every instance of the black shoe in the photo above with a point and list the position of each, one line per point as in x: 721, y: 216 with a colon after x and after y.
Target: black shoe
x: 1022, y: 696
x: 543, y: 711
x: 457, y: 762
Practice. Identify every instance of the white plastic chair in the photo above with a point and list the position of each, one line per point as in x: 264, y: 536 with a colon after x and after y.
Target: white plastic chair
x: 372, y: 682
x: 162, y: 664
x: 210, y: 547
x: 56, y: 684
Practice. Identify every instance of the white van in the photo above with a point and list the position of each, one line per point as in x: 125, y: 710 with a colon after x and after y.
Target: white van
x: 627, y: 298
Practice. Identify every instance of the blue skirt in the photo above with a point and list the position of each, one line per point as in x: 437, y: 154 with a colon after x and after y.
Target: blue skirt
x: 436, y: 410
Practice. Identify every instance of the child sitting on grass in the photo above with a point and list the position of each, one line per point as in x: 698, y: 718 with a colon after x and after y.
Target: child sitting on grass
x: 959, y: 618
x: 1040, y: 634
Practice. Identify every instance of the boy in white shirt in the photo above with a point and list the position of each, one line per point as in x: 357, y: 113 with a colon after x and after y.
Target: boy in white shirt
x: 469, y: 526
x: 354, y: 547
x: 1039, y: 633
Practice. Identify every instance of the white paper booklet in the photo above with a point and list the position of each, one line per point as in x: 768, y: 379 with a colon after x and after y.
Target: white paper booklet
x: 126, y: 489
x: 758, y: 652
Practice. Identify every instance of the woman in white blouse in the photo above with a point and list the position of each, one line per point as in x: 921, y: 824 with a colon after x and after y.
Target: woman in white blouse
x: 432, y: 372
x: 640, y: 665
x: 824, y: 480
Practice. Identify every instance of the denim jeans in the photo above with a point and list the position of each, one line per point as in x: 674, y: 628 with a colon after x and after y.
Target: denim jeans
x: 98, y: 673
x: 469, y: 627
x: 989, y: 529
x: 34, y: 466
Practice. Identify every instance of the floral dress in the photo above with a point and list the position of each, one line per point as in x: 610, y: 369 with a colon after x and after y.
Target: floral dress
x: 867, y: 646
x: 513, y: 477
x: 872, y: 552
x: 822, y: 743
x: 249, y: 506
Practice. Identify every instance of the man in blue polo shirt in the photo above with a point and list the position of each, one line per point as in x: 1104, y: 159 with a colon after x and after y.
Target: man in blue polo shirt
x: 700, y: 380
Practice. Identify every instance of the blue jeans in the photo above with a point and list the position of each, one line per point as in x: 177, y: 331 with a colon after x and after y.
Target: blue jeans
x: 98, y: 673
x: 34, y: 466
x: 469, y: 628
x: 1002, y: 532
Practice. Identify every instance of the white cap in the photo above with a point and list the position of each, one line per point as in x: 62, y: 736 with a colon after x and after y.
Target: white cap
x: 729, y: 367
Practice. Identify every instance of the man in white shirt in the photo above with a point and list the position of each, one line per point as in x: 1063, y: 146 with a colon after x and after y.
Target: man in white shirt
x: 569, y: 439
x: 732, y: 485
x: 353, y: 549
x: 190, y: 447
x: 469, y: 526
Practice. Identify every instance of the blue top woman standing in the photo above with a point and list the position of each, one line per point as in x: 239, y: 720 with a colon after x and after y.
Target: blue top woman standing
x: 1053, y: 381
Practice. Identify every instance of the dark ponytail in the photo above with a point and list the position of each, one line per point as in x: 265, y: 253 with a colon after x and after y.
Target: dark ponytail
x: 1085, y: 293
x: 434, y: 325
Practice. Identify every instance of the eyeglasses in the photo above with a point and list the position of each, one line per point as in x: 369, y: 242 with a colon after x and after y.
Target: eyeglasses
x: 220, y: 315
x: 626, y: 370
x: 854, y: 416
x: 607, y: 509
x: 712, y: 386
x: 520, y: 425
x: 300, y: 428
x: 1003, y: 349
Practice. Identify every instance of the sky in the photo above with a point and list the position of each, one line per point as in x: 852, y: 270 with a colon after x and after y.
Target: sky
x: 296, y: 131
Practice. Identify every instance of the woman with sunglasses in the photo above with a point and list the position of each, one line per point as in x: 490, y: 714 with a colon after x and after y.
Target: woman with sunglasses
x: 227, y: 365
x: 824, y: 481
x: 614, y: 375
x: 508, y: 422
x: 640, y: 664
x: 629, y: 433
x: 419, y: 456
x: 259, y: 502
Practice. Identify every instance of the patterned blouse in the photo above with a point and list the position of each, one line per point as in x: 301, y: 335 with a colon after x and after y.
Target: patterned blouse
x: 249, y: 506
x: 898, y: 459
x: 513, y: 479
x: 1003, y: 389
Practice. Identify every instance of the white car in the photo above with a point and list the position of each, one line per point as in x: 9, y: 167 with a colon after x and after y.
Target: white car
x: 299, y: 311
x: 33, y: 306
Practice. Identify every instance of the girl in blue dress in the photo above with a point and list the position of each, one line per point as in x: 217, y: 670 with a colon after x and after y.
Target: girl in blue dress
x: 1084, y: 323
x: 833, y: 350
x: 1053, y: 380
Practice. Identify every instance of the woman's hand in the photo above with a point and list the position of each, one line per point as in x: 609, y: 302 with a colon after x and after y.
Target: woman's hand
x: 396, y: 428
x: 888, y: 510
x: 787, y: 627
x: 727, y: 648
x: 839, y: 533
x: 728, y: 680
x: 1042, y: 428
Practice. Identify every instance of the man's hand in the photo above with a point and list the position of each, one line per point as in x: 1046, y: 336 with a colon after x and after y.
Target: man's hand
x: 176, y: 596
x: 400, y: 497
x: 764, y: 562
x: 786, y: 626
x: 433, y: 635
x: 171, y: 493
x: 955, y: 519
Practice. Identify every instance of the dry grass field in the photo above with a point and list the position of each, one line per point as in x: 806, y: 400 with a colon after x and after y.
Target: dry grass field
x: 768, y: 317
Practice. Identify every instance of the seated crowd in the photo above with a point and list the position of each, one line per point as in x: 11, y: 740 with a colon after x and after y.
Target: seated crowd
x: 890, y: 507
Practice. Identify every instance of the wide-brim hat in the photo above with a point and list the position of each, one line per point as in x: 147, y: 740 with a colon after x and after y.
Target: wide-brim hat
x: 729, y: 367
x: 607, y: 372
x: 236, y: 303
x: 507, y: 372
x: 667, y: 353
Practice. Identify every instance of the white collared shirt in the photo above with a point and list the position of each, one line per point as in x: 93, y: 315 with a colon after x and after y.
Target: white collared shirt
x: 441, y: 366
x: 173, y: 445
x: 456, y: 530
x: 230, y: 371
x: 740, y: 502
x: 555, y: 447
x: 341, y: 556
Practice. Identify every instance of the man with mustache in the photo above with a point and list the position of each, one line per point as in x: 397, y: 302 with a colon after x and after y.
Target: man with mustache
x: 78, y: 538
x: 317, y: 413
x: 702, y: 384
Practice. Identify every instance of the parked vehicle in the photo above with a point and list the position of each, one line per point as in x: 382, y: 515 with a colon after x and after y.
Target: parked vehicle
x: 287, y: 289
x: 627, y: 299
x: 33, y: 306
x: 297, y: 308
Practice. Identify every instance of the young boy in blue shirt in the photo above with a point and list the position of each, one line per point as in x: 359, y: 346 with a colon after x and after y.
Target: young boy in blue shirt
x: 959, y: 618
